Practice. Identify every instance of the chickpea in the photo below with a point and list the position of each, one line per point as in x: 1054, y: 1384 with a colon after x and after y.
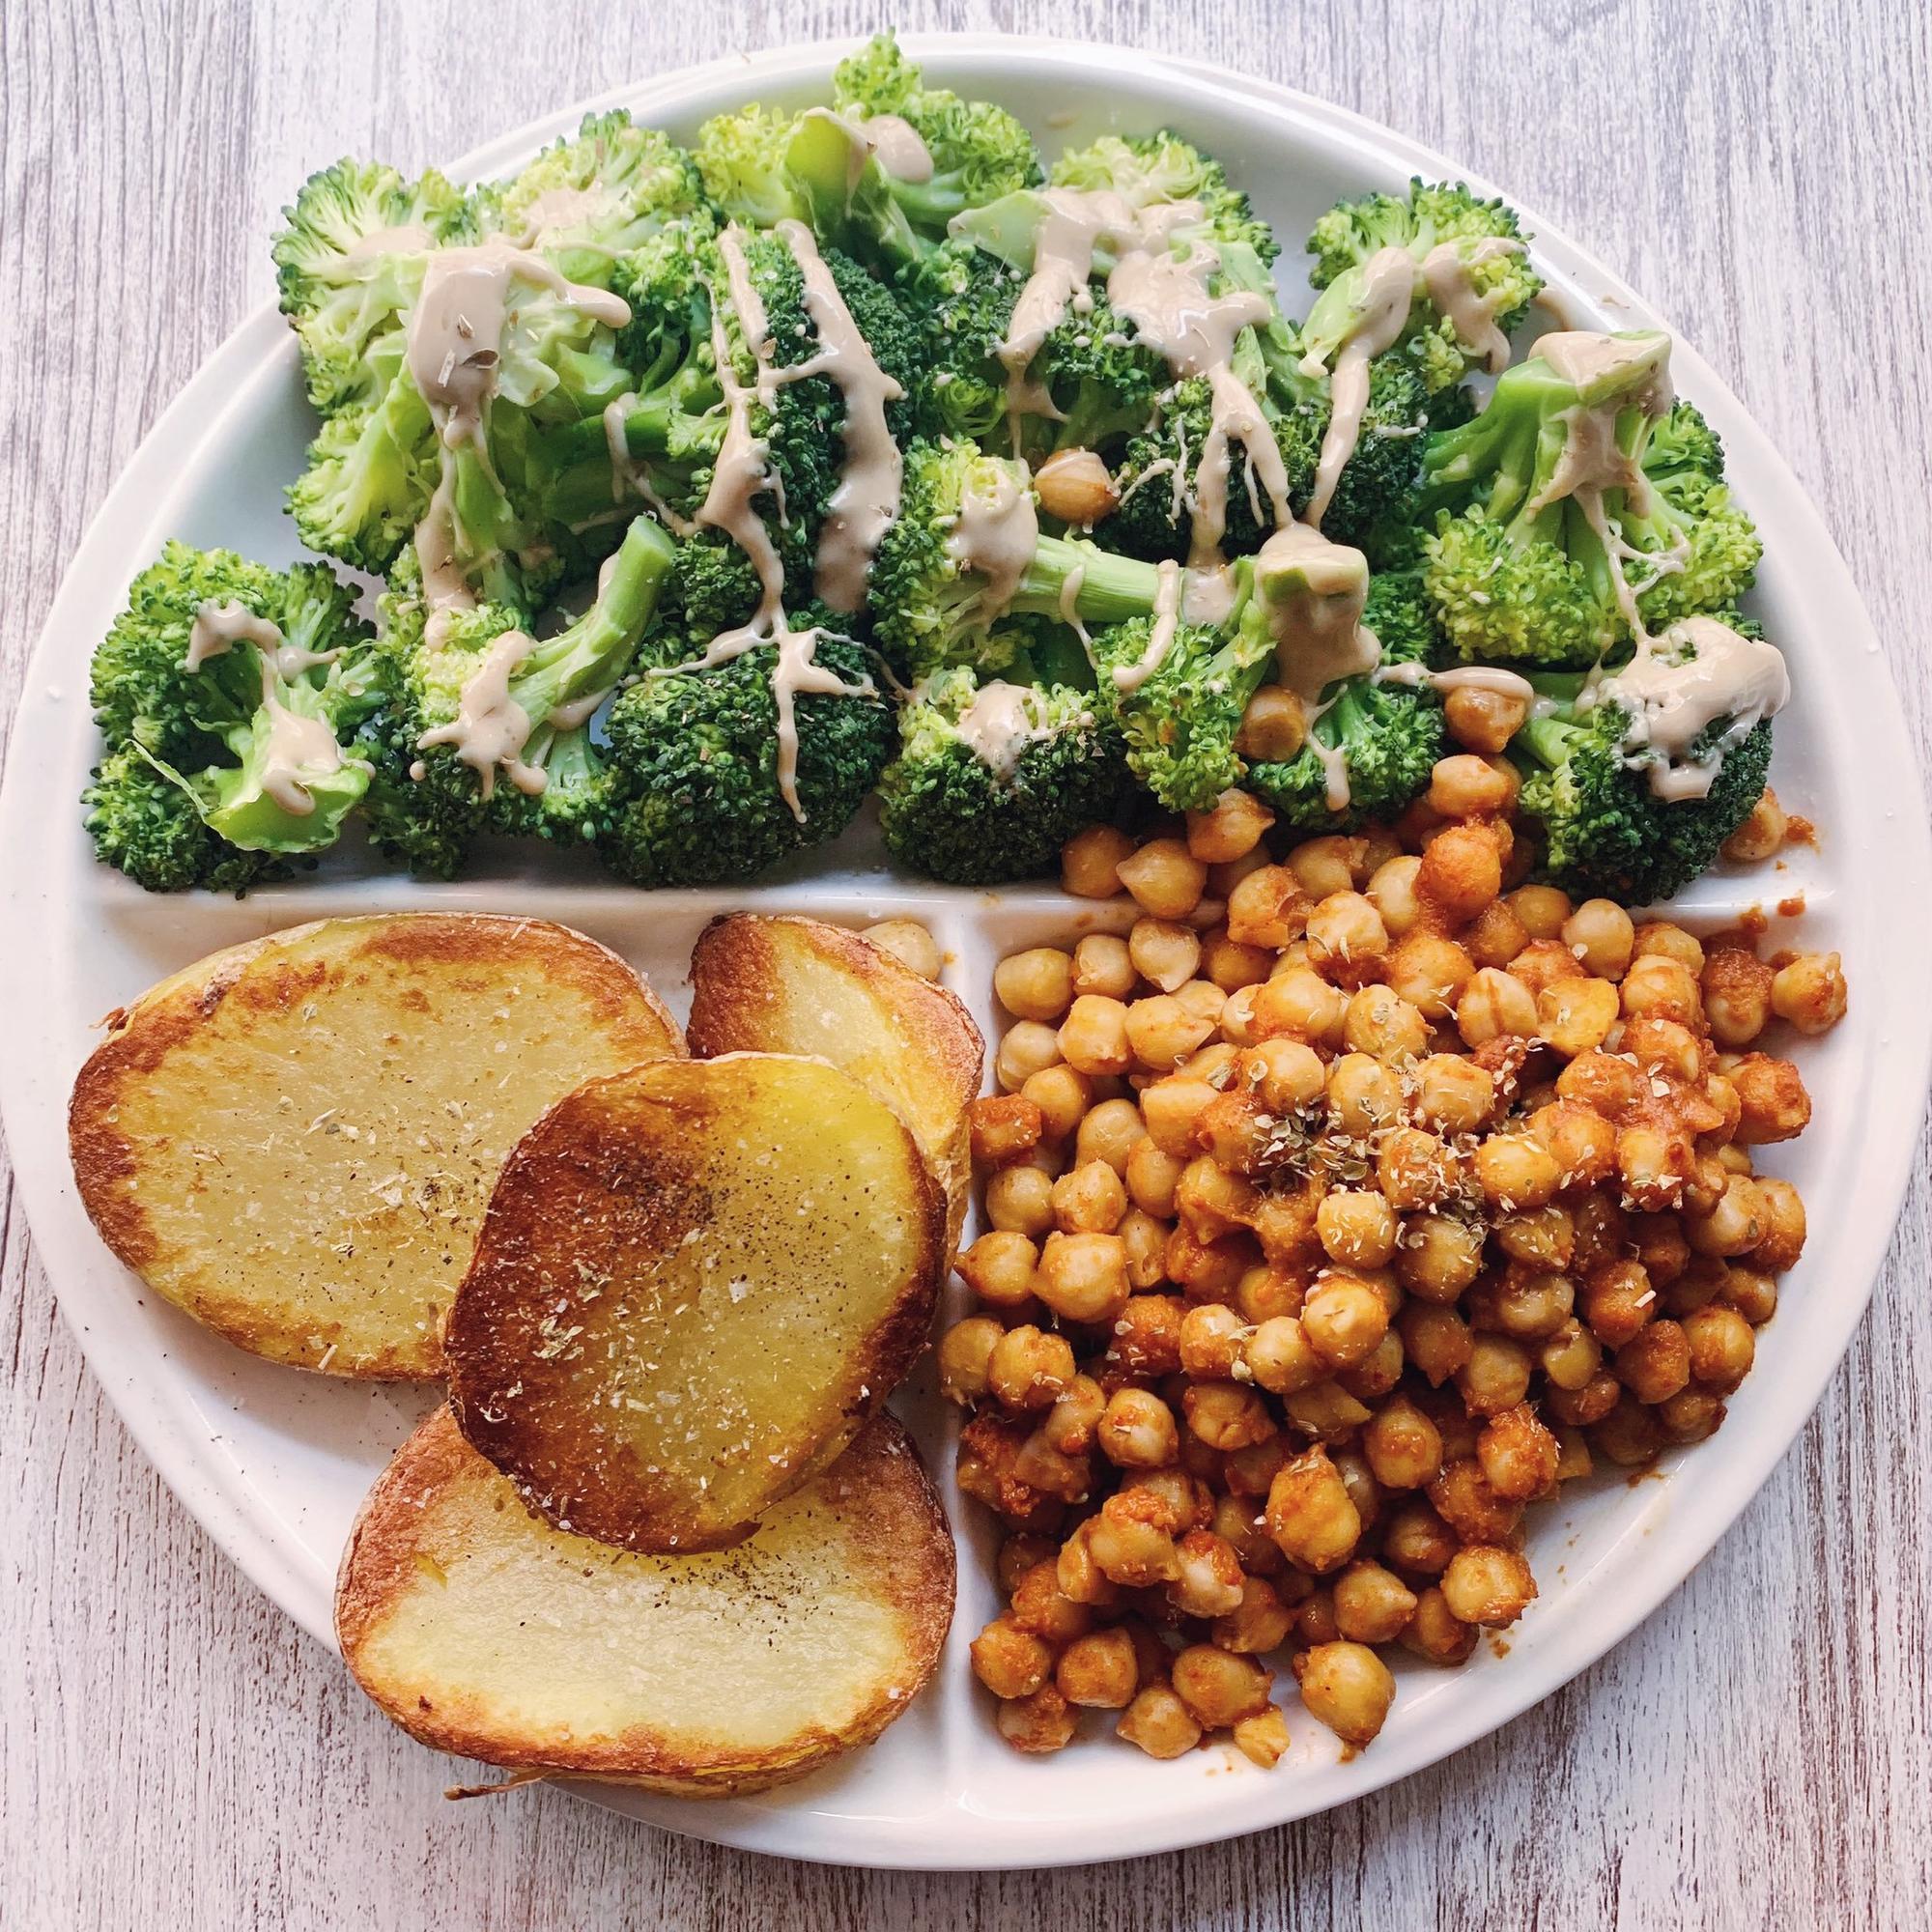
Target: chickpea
x: 965, y: 1351
x: 1736, y: 988
x: 1225, y: 1416
x: 1496, y: 1375
x: 1026, y: 1048
x: 1466, y: 786
x: 1008, y: 1661
x: 1164, y: 878
x: 1773, y: 1104
x: 1357, y: 1228
x: 1495, y: 1004
x: 1600, y: 936
x: 1611, y: 1086
x: 1152, y: 1177
x: 1090, y: 862
x: 1542, y: 910
x: 1436, y: 1339
x: 1435, y: 1633
x: 1128, y: 1547
x: 1453, y: 1095
x: 1654, y: 1165
x: 1516, y: 1171
x: 1310, y: 1514
x: 1018, y: 1553
x: 1209, y: 1582
x: 1258, y: 1622
x: 1430, y: 972
x: 1659, y: 938
x: 1263, y: 1738
x: 1418, y: 1541
x: 1438, y: 1257
x: 1003, y: 1127
x: 1092, y: 1037
x: 1036, y: 984
x: 1808, y: 992
x: 1752, y: 1292
x: 1074, y: 1419
x: 1347, y: 1687
x: 1037, y: 1724
x: 1109, y: 1134
x: 1576, y: 1015
x: 1209, y: 1270
x: 1483, y: 721
x: 1233, y: 966
x: 1630, y: 1433
x: 1042, y: 1607
x: 1526, y: 1303
x: 1495, y: 937
x: 1693, y: 1414
x: 1362, y: 1095
x: 1079, y: 1578
x: 1269, y: 1292
x: 1517, y: 1454
x: 1655, y: 1364
x: 1315, y: 1619
x: 1159, y: 1722
x: 1231, y: 828
x: 1020, y: 1200
x: 1416, y: 1170
x: 1655, y: 988
x: 1098, y: 1671
x: 1267, y: 908
x: 1144, y: 1243
x: 1470, y: 1507
x: 1345, y: 935
x: 1026, y: 1368
x: 1000, y: 1267
x: 1371, y: 1604
x: 1062, y: 1098
x: 1378, y: 1021
x: 1171, y: 1109
x: 1162, y: 1032
x: 1102, y: 965
x: 908, y: 942
x: 1219, y: 1687
x: 1543, y: 962
x: 1274, y: 726
x: 1344, y: 1320
x: 1735, y: 1225
x: 1300, y: 1004
x: 1083, y: 1277
x: 1579, y: 1140
x: 1488, y: 1586
x: 1138, y: 1431
x: 1278, y: 1355
x: 1328, y: 864
x: 1783, y: 1239
x: 1210, y: 1340
x: 1392, y: 890
x: 1760, y: 834
x: 1283, y: 1074
x: 1164, y: 952
x: 1722, y: 1346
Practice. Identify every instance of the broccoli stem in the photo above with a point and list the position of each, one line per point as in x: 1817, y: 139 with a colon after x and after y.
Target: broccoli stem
x: 1112, y: 589
x: 594, y: 652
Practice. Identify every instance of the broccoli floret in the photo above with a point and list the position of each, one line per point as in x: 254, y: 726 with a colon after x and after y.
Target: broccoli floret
x: 592, y: 197
x: 1389, y: 737
x: 695, y: 760
x: 1604, y: 828
x: 934, y: 610
x: 741, y: 158
x: 1398, y: 611
x: 1545, y: 497
x: 1149, y: 168
x: 1486, y: 237
x: 980, y: 809
x: 252, y: 732
x: 348, y: 266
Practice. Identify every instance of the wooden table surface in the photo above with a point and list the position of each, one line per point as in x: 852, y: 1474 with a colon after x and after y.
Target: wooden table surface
x: 177, y: 1755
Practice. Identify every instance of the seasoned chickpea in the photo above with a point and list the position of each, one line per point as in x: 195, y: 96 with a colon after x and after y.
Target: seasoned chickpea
x: 1028, y: 1368
x: 1283, y: 1074
x: 1144, y: 1242
x: 965, y: 1351
x: 1098, y: 1671
x: 1162, y: 1031
x: 1362, y: 1095
x: 1037, y: 1723
x: 1773, y: 1104
x: 1278, y: 1355
x: 1159, y: 1722
x: 1661, y: 938
x: 1267, y: 908
x: 1062, y: 1098
x: 1418, y: 1541
x: 1225, y: 1416
x: 1600, y: 936
x: 1219, y: 1686
x: 1233, y: 966
x: 1736, y: 988
x: 1494, y: 938
x: 1171, y: 1110
x: 1209, y: 1580
x: 1036, y: 984
x: 1518, y: 1455
x: 1467, y: 786
x: 1301, y: 1003
x: 1092, y: 1037
x: 1018, y: 1553
x: 1259, y: 1621
x: 1722, y: 1346
x: 908, y: 942
x: 1543, y: 962
x: 1210, y: 1340
x: 1403, y: 1446
x: 1378, y: 1021
x: 1090, y: 862
x: 1579, y: 1140
x: 1165, y: 878
x: 1000, y: 1267
x: 1808, y: 992
x: 1328, y: 864
x: 1080, y: 1579
x: 1539, y: 1237
x: 1274, y: 726
x: 1752, y: 1292
x: 1629, y: 1434
x: 1436, y: 1339
x: 1357, y: 1228
x: 1131, y: 1541
x: 1164, y: 952
x: 1483, y: 719
x: 1152, y: 1177
x: 1435, y: 1634
x: 1462, y: 865
x: 1416, y: 1170
x: 1083, y: 1277
x: 1138, y: 1431
x: 1542, y: 910
x: 1496, y: 1375
x: 1467, y: 1503
x: 1488, y: 1586
x: 1571, y: 1356
x: 1089, y: 1200
x: 1494, y: 1004
x: 1655, y: 988
x: 1109, y: 1133
x: 1310, y: 1514
x: 1453, y: 1095
x: 1517, y: 1171
x: 1231, y: 828
x: 1783, y: 1239
x: 1263, y: 1738
x: 1347, y: 1687
x: 1611, y: 1086
x: 1371, y: 1603
x: 1392, y: 890
x: 1041, y: 1606
x: 1760, y: 834
x: 1103, y: 966
x: 1026, y: 1048
x: 1003, y: 1127
x: 1692, y: 1416
x: 1008, y: 1661
x: 1344, y: 1320
x: 1576, y: 1014
x: 1430, y: 973
x: 1266, y: 1293
x: 1655, y: 1364
x: 1345, y: 934
x: 1020, y: 1200
x: 1735, y: 1225
x: 1438, y: 1257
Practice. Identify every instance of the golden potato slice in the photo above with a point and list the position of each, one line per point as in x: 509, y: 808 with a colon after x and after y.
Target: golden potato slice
x: 483, y: 1630
x: 798, y: 985
x: 694, y: 1283
x: 295, y: 1140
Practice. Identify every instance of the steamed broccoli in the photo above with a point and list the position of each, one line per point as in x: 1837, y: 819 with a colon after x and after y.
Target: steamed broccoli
x: 437, y: 787
x: 1547, y: 497
x: 1162, y: 167
x: 228, y: 695
x: 694, y: 756
x: 1485, y: 239
x: 990, y: 781
x: 1605, y: 829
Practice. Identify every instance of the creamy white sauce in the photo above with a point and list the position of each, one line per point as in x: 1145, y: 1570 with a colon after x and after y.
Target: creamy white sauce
x: 405, y: 238
x: 1160, y: 638
x: 580, y: 711
x: 888, y: 138
x: 628, y: 476
x: 1002, y: 720
x: 995, y: 536
x: 219, y: 627
x: 1697, y: 673
x: 1315, y: 591
x: 1208, y: 596
x: 297, y: 751
x: 1460, y: 677
x: 1446, y: 276
x: 491, y: 728
x: 1388, y: 288
x: 558, y: 208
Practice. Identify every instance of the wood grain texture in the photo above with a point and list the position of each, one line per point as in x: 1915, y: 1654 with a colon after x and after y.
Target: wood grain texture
x: 1759, y: 1753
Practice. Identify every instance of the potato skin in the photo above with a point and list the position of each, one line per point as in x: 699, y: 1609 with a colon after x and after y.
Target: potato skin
x: 695, y: 1282
x: 892, y: 1548
x: 210, y: 1130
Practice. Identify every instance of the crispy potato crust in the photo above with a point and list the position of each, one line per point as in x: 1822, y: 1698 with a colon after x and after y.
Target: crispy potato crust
x: 295, y: 1139
x: 799, y: 985
x: 696, y: 1282
x: 483, y: 1630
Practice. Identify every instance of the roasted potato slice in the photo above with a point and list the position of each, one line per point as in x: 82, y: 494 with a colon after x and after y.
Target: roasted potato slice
x: 798, y: 985
x: 295, y: 1140
x: 481, y: 1629
x: 694, y: 1283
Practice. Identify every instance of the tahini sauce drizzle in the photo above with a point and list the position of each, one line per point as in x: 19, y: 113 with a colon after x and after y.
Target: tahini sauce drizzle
x: 1160, y: 638
x: 1388, y: 287
x: 491, y: 728
x: 999, y: 725
x: 1450, y: 286
x: 219, y: 627
x: 298, y: 751
x: 890, y: 138
x: 995, y: 537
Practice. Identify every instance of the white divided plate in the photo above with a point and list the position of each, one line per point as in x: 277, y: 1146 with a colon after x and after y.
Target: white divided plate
x: 274, y: 1463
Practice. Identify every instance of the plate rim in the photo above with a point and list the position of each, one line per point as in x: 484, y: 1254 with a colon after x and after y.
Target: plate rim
x: 150, y: 1406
